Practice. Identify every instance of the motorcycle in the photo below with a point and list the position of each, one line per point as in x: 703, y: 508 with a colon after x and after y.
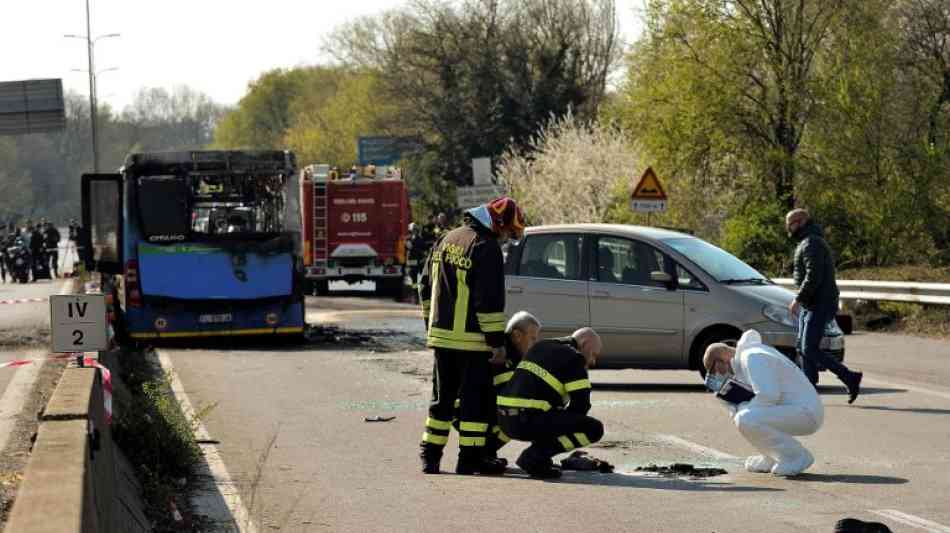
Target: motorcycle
x: 20, y: 261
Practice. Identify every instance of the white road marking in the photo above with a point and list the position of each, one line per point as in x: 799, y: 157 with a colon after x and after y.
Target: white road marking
x: 695, y: 448
x: 19, y: 388
x: 911, y: 520
x: 14, y: 398
x: 234, y: 514
x: 915, y: 388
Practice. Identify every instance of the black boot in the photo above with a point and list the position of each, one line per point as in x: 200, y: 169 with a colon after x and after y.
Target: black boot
x: 854, y: 386
x: 537, y: 465
x: 431, y: 457
x: 475, y: 462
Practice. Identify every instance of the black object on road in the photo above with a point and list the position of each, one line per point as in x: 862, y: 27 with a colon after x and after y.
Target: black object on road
x: 682, y: 469
x: 853, y: 525
x: 579, y: 460
x: 378, y: 418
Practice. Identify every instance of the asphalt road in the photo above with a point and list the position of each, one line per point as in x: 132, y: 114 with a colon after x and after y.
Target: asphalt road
x: 21, y: 320
x: 290, y: 428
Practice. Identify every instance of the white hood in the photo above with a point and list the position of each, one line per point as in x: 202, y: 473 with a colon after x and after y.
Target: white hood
x: 749, y: 339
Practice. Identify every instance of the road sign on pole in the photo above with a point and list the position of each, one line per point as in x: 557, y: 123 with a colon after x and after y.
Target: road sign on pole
x: 648, y: 196
x: 78, y: 323
x: 477, y: 195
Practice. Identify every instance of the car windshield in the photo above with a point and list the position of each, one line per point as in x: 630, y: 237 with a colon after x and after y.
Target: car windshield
x: 718, y: 263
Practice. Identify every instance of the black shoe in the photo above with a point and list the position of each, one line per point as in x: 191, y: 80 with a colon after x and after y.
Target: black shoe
x: 537, y: 467
x: 430, y: 462
x: 480, y: 465
x: 854, y: 386
x: 853, y: 525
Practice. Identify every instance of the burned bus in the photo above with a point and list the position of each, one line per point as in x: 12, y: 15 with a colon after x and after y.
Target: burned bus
x: 201, y: 243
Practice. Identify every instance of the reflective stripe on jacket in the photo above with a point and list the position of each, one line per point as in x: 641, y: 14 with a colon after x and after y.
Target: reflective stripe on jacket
x: 553, y: 375
x: 462, y: 291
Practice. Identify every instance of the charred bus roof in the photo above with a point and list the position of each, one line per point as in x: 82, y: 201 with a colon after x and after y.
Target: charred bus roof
x: 211, y: 162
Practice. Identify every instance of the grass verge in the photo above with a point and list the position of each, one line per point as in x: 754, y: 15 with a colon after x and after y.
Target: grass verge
x: 158, y: 439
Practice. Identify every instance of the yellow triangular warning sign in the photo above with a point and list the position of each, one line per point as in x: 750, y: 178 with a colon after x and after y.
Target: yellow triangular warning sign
x: 649, y: 187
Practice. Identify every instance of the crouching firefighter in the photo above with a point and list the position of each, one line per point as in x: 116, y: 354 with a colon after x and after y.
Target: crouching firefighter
x: 521, y: 332
x: 547, y: 400
x: 462, y: 292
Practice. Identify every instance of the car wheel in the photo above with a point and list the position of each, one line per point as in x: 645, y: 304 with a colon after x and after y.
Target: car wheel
x: 321, y: 287
x: 730, y: 337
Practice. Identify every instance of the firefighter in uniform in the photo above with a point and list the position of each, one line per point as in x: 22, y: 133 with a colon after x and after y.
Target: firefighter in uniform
x: 521, y: 332
x: 462, y: 292
x: 547, y: 400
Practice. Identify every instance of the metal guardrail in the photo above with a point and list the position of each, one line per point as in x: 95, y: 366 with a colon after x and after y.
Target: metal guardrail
x: 887, y: 291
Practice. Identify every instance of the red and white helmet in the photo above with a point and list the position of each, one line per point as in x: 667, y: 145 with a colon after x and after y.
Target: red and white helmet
x: 501, y: 214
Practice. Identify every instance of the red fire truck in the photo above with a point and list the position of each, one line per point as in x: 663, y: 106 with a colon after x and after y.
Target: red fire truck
x: 354, y: 228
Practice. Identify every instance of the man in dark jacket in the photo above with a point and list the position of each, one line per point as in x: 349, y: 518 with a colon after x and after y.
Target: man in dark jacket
x: 52, y: 237
x: 547, y: 400
x: 38, y: 252
x: 817, y: 301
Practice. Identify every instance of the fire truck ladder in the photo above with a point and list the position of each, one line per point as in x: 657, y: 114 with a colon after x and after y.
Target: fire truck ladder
x: 320, y: 221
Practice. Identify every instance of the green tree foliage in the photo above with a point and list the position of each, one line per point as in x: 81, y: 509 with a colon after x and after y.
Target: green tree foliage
x: 748, y: 108
x: 264, y: 114
x: 326, y: 127
x: 478, y: 75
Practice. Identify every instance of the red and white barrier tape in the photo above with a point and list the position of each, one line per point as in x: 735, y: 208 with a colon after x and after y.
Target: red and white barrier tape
x: 88, y: 361
x: 23, y: 301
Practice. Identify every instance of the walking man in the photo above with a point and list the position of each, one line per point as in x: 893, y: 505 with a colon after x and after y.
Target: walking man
x: 462, y: 293
x: 817, y: 301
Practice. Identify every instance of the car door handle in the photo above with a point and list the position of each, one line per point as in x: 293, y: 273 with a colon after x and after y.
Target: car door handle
x: 599, y: 294
x: 515, y: 290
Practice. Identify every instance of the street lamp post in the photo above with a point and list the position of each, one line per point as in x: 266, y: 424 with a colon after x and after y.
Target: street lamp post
x: 93, y: 103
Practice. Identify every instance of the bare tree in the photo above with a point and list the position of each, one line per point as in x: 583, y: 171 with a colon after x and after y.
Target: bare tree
x: 477, y: 75
x: 925, y: 30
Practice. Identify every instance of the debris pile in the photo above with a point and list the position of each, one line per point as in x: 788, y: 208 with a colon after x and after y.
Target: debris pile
x: 682, y: 470
x: 579, y: 460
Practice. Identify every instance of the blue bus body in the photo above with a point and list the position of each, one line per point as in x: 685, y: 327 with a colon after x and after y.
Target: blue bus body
x: 204, y: 244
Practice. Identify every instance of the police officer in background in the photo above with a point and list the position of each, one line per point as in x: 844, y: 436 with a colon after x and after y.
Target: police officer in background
x: 6, y: 240
x: 417, y: 253
x: 73, y: 230
x: 462, y: 293
x: 547, y: 400
x: 37, y: 248
x: 51, y: 238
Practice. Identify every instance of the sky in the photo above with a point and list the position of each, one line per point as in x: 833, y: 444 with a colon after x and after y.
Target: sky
x: 214, y: 46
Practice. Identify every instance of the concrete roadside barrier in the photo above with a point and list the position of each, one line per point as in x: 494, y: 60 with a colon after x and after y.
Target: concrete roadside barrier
x: 76, y: 479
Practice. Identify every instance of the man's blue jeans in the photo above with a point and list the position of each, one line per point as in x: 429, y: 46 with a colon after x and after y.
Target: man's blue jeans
x: 811, y: 328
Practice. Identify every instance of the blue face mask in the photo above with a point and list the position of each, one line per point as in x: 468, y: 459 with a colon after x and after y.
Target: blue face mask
x: 714, y: 382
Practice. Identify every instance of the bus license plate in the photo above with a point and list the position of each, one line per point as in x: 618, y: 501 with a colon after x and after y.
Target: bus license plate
x: 215, y: 319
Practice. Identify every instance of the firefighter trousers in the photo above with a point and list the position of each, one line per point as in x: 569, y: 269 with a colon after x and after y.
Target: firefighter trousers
x: 467, y: 376
x: 551, y: 432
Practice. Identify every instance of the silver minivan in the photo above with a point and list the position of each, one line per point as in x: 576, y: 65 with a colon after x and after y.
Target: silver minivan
x: 658, y: 298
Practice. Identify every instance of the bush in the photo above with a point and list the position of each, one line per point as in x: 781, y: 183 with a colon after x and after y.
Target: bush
x: 571, y: 172
x: 757, y: 236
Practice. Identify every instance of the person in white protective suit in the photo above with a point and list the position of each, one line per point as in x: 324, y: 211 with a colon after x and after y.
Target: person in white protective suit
x: 785, y: 403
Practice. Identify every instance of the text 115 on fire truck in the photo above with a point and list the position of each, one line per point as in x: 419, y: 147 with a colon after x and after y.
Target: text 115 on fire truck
x: 354, y: 228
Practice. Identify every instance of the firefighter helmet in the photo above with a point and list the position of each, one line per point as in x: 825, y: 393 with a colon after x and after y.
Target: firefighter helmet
x: 506, y: 215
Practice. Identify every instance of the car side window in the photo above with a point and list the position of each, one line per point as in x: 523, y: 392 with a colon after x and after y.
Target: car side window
x: 629, y: 262
x: 617, y: 261
x: 553, y: 256
x: 687, y: 280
